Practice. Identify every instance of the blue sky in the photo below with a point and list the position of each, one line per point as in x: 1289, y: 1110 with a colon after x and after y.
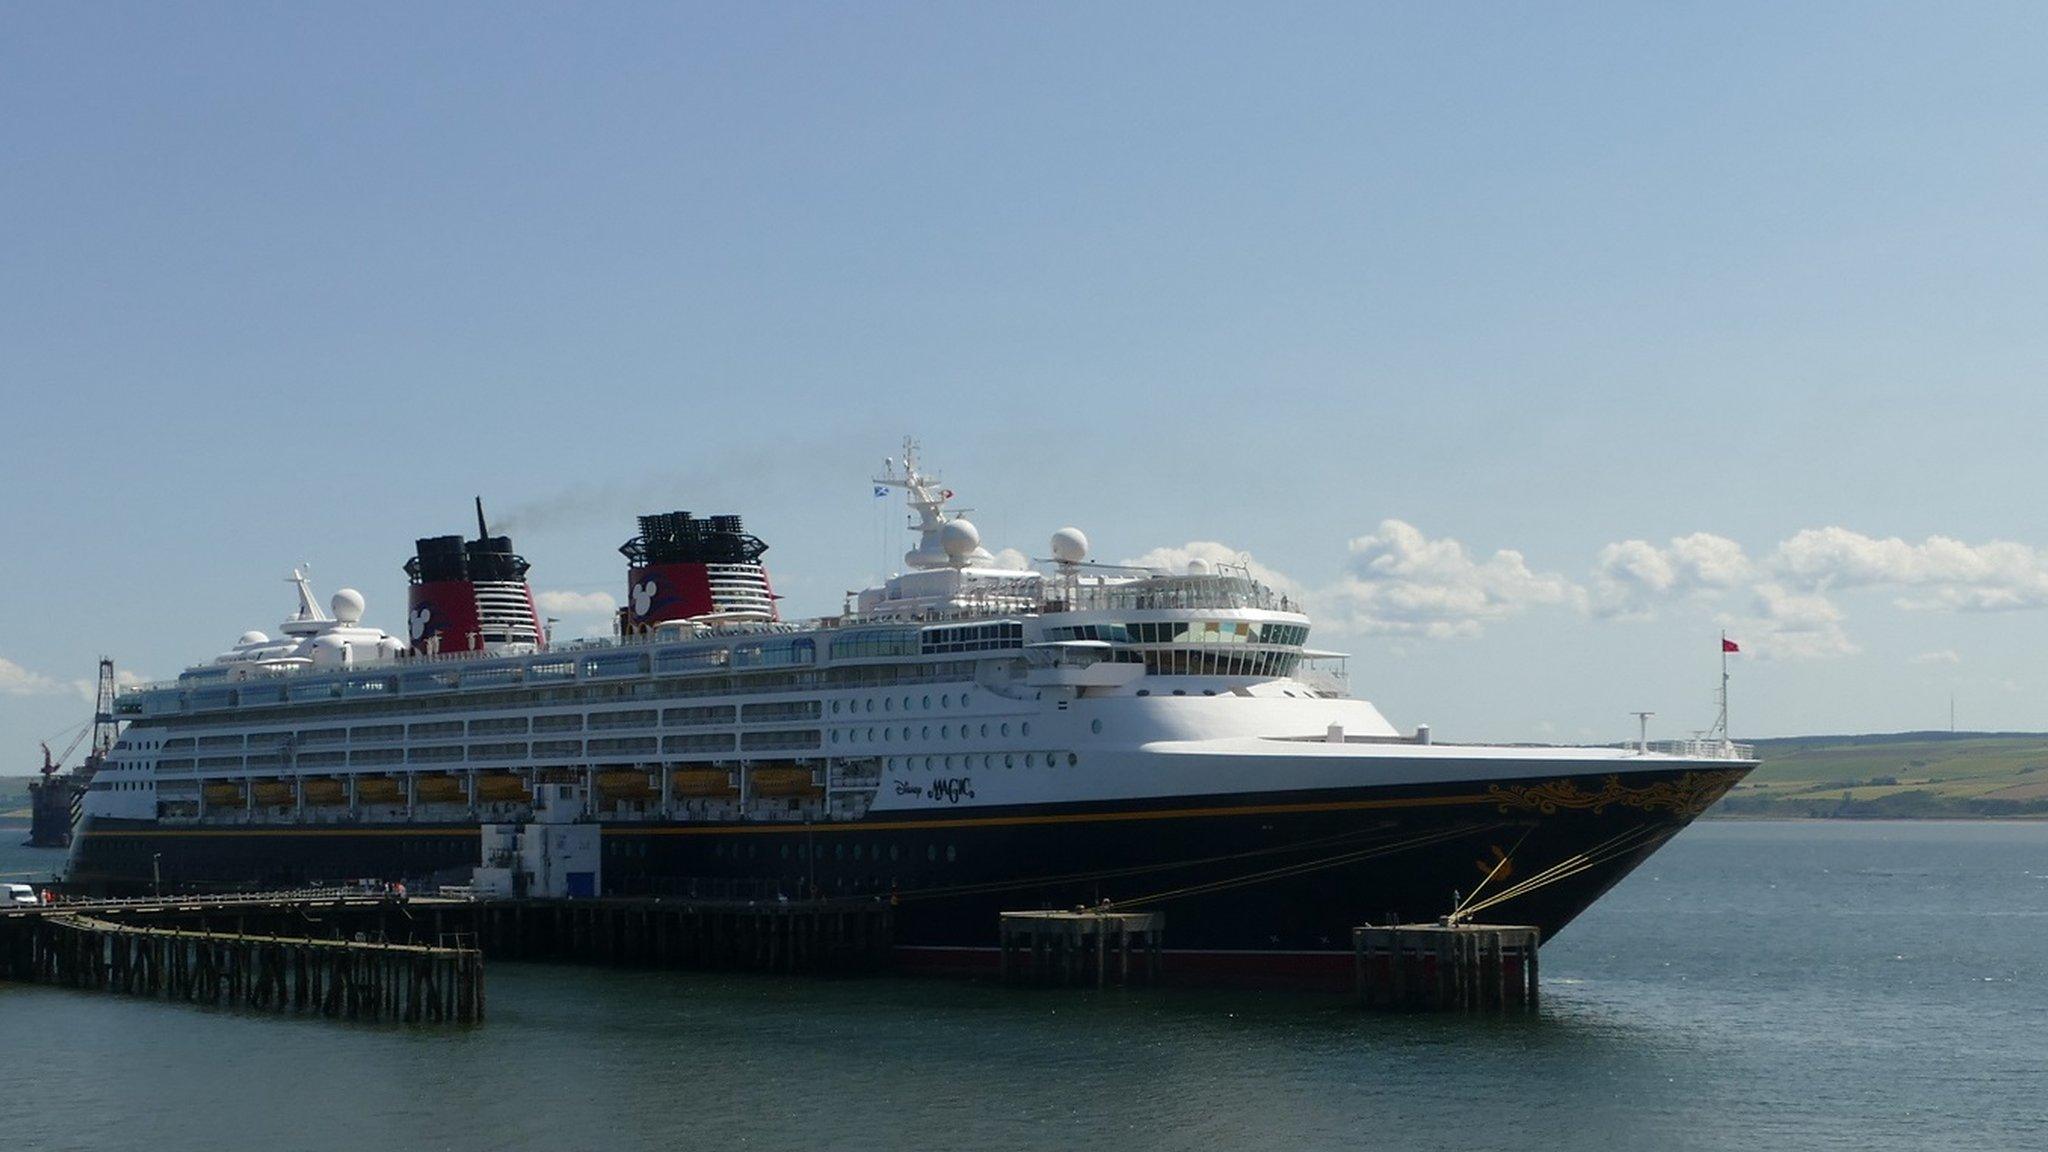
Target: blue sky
x: 1371, y: 293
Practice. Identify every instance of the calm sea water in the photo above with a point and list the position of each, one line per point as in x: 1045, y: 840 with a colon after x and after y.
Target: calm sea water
x: 1781, y: 986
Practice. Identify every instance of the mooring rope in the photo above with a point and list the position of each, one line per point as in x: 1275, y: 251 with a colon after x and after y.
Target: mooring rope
x: 1336, y: 861
x: 1493, y: 872
x: 1608, y: 849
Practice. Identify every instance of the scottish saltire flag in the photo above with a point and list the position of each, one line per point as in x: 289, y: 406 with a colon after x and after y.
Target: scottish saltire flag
x: 881, y: 491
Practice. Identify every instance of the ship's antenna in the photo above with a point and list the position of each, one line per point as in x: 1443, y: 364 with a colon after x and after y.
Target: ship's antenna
x: 482, y: 532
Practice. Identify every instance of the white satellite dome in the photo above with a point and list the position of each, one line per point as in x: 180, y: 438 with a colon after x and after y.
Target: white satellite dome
x: 1198, y: 567
x: 1069, y: 546
x: 252, y: 637
x: 959, y: 538
x: 347, y: 605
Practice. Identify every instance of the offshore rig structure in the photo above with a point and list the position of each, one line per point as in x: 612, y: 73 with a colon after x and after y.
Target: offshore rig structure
x: 55, y: 796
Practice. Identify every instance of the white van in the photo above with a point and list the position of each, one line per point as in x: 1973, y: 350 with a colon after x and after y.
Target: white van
x: 14, y: 894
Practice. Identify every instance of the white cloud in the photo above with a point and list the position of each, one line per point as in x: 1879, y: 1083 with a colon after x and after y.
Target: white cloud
x: 574, y: 605
x: 1401, y: 581
x: 1010, y: 558
x: 18, y: 681
x: 1630, y: 578
x: 1793, y: 625
x: 1944, y: 656
x: 1939, y: 573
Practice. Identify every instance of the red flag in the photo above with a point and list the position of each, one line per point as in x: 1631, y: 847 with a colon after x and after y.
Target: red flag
x: 1728, y: 645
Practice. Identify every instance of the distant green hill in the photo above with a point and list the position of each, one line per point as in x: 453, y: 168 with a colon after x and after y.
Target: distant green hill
x: 1897, y: 775
x: 14, y: 797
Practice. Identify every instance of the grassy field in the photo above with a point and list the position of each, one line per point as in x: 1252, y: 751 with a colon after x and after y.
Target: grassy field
x: 1902, y: 775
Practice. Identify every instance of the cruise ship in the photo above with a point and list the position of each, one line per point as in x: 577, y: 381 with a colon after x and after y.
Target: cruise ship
x: 965, y: 739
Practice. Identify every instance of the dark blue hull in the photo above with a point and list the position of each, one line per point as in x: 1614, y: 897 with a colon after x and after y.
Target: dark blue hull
x: 1256, y: 874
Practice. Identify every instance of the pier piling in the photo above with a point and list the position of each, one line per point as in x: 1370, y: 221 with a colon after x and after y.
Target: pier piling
x: 1454, y: 967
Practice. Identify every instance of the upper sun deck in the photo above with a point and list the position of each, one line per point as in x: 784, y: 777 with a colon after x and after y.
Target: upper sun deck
x: 983, y: 620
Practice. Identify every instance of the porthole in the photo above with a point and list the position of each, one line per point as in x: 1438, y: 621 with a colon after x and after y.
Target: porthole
x: 1027, y: 727
x: 906, y: 703
x: 892, y: 851
x: 925, y: 733
x: 950, y: 854
x: 856, y: 851
x: 835, y: 735
x: 949, y: 763
x: 1006, y: 729
x: 1144, y: 691
x: 835, y: 707
x: 1095, y: 726
x: 1072, y: 760
x: 984, y: 731
x: 871, y: 734
x: 931, y: 852
x: 927, y: 701
x: 1009, y: 760
x: 785, y: 851
x: 1031, y: 759
x: 888, y: 733
x: 871, y: 704
x: 946, y: 701
x: 945, y: 731
x: 889, y: 705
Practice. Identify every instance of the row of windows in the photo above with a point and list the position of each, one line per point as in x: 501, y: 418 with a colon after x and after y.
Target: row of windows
x: 1216, y: 632
x: 889, y: 703
x: 875, y: 642
x: 924, y: 732
x: 759, y: 683
x: 986, y: 760
x: 974, y: 637
x: 1219, y: 662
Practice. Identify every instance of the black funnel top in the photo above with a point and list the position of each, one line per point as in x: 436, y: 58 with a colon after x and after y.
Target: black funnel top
x: 679, y: 538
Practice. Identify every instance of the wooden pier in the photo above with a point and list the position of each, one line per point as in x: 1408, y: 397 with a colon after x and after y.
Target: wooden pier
x: 338, y: 979
x: 1454, y: 967
x: 1070, y: 947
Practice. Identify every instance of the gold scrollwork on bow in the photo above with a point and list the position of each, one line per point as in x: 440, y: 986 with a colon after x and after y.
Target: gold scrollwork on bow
x: 1689, y: 795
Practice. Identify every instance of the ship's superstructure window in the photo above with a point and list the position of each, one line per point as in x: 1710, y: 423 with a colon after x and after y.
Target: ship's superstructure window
x: 873, y: 642
x: 974, y: 637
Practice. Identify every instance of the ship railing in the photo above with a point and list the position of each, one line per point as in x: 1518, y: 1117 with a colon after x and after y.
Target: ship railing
x: 1700, y: 748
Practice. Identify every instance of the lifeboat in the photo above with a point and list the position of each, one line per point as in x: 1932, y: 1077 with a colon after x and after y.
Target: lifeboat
x: 325, y: 790
x: 502, y: 786
x: 702, y: 782
x: 223, y: 794
x: 782, y: 782
x: 274, y: 792
x: 379, y: 790
x: 437, y: 789
x: 628, y: 784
